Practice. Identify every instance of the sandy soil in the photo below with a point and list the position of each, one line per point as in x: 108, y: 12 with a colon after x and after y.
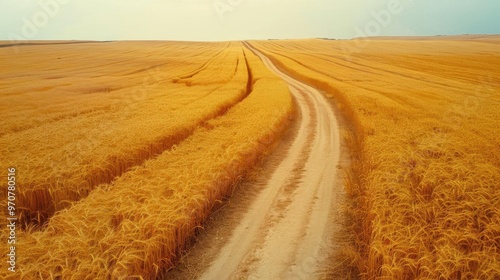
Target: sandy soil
x: 280, y: 226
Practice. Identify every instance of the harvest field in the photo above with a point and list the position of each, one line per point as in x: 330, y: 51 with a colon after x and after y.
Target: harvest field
x: 122, y: 151
x: 425, y: 142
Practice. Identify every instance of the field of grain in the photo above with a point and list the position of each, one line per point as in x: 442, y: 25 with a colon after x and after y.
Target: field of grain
x: 123, y: 148
x: 84, y: 98
x: 424, y: 137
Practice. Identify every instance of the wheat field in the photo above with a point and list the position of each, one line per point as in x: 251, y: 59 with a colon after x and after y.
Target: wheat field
x: 85, y: 101
x: 424, y: 136
x: 123, y: 149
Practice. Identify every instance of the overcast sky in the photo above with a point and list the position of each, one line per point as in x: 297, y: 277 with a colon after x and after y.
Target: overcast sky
x: 207, y: 20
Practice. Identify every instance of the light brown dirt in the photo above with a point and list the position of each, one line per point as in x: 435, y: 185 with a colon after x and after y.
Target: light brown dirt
x: 283, y: 227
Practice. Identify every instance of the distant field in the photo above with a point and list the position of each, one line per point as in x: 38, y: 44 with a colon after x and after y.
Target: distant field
x: 122, y: 149
x: 425, y: 142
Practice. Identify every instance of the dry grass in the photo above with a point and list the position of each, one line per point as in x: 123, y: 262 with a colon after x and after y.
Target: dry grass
x: 424, y: 182
x: 137, y: 224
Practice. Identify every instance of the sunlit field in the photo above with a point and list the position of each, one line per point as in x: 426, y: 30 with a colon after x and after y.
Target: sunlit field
x: 122, y: 149
x: 424, y: 137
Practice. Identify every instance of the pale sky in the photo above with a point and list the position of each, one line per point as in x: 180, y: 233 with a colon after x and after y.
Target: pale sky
x: 214, y: 20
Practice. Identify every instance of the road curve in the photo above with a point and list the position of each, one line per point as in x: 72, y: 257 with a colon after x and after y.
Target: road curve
x: 286, y: 232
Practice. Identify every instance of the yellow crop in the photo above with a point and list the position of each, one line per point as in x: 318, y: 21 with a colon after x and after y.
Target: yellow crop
x: 128, y: 202
x: 424, y: 180
x: 83, y: 115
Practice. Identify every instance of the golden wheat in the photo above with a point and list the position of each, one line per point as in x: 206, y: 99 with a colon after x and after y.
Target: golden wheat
x: 137, y: 224
x: 106, y: 111
x: 425, y: 173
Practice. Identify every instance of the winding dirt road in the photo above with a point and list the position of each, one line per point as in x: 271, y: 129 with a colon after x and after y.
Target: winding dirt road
x: 286, y: 230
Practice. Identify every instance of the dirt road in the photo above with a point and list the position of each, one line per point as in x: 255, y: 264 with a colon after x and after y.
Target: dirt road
x: 286, y: 229
x: 286, y: 232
